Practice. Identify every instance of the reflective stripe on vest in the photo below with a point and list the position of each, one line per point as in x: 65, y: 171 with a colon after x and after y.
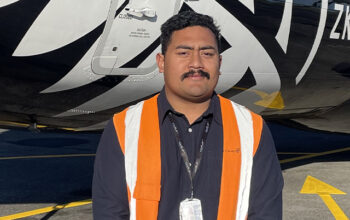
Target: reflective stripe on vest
x: 138, y: 133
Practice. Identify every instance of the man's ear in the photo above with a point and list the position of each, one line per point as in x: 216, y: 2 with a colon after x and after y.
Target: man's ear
x: 220, y: 60
x: 160, y: 62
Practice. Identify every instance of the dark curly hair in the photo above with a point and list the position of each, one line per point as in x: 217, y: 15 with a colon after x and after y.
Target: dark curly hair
x: 183, y: 20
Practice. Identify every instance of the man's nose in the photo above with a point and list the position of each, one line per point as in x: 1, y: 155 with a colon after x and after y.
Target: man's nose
x: 196, y: 61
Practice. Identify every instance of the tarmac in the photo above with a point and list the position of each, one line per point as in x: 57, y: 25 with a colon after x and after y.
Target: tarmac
x: 48, y: 174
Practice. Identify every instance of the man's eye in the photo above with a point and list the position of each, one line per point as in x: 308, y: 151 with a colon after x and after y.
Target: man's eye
x: 182, y: 53
x: 208, y: 54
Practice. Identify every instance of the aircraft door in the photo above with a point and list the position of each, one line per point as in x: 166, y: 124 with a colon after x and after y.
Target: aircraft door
x: 131, y: 27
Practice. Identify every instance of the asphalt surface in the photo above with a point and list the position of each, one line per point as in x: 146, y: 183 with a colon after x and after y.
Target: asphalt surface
x: 321, y: 155
x: 47, y: 175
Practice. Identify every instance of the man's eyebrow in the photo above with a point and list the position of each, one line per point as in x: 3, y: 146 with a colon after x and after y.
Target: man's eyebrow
x: 184, y: 47
x: 207, y: 48
x: 191, y: 48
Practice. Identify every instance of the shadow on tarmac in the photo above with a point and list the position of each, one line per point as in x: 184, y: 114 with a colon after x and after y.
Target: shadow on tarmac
x: 293, y: 142
x: 48, y: 179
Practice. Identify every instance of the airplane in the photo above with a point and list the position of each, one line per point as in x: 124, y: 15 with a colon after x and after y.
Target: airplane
x: 73, y: 64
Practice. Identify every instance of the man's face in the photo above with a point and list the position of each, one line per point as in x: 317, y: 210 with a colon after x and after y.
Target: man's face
x: 191, y: 64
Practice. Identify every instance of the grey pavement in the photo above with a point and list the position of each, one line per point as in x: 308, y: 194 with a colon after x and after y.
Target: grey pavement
x: 30, y: 183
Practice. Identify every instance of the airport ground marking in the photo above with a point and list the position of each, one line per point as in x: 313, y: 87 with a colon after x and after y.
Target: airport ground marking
x: 26, y: 125
x: 314, y: 155
x: 45, y: 210
x: 47, y: 156
x: 288, y: 153
x: 272, y: 100
x: 324, y: 190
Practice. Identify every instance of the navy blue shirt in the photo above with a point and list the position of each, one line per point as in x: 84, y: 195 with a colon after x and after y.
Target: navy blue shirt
x: 109, y: 191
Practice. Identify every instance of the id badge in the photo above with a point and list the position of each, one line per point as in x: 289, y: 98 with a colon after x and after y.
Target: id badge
x: 191, y: 209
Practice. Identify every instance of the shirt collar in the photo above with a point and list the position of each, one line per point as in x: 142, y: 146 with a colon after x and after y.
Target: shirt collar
x: 164, y: 107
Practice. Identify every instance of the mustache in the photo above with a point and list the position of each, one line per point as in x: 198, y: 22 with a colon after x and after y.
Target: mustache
x: 192, y: 72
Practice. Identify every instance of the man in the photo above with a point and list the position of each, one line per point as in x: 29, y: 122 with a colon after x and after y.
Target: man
x: 187, y: 153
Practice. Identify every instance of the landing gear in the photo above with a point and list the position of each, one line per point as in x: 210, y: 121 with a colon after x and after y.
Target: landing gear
x: 33, y: 126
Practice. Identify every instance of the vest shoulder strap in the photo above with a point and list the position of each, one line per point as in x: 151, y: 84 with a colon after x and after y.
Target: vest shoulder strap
x: 242, y: 129
x: 140, y: 143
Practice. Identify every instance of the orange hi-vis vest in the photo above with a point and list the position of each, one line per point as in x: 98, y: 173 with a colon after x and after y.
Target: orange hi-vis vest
x: 137, y: 129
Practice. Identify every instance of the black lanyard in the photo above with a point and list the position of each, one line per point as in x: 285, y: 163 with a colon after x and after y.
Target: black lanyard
x: 191, y: 173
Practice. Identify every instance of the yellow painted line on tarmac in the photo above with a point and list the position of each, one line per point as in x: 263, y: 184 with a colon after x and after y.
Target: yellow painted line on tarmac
x: 324, y: 190
x: 314, y: 155
x: 287, y: 153
x: 19, y: 124
x: 25, y: 125
x: 47, y: 156
x: 45, y: 210
x: 333, y: 207
x: 272, y: 100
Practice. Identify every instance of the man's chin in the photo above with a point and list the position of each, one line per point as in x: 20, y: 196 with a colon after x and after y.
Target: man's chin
x: 199, y: 97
